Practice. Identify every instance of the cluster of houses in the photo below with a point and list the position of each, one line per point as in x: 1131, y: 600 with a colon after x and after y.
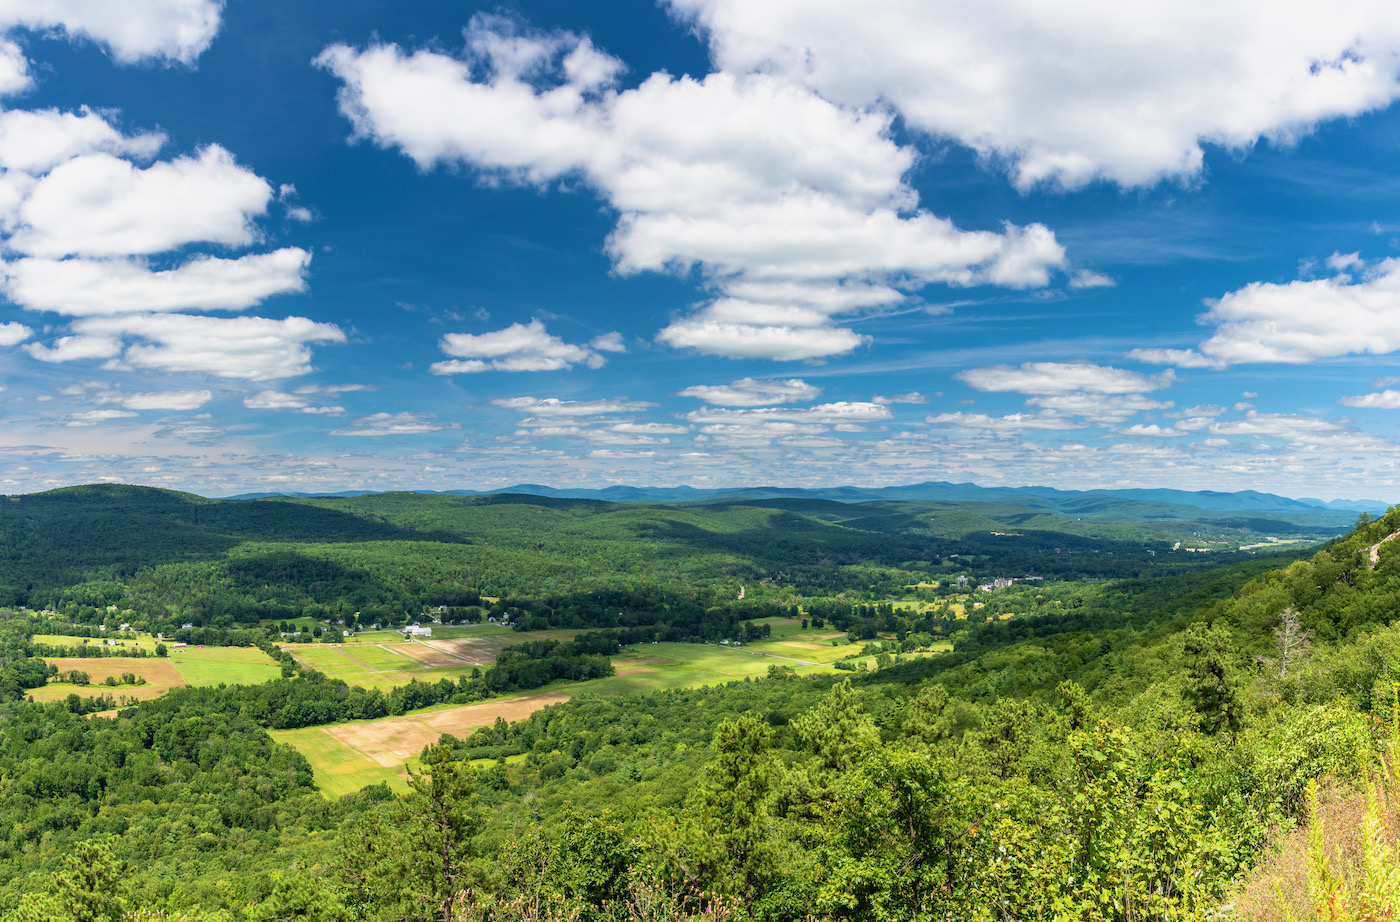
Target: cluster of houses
x: 1000, y: 582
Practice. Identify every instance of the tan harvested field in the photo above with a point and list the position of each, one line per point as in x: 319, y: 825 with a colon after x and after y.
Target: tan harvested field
x: 160, y: 675
x: 482, y: 650
x: 391, y: 741
x: 427, y: 655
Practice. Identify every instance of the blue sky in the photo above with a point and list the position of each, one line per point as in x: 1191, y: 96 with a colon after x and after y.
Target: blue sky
x: 374, y: 245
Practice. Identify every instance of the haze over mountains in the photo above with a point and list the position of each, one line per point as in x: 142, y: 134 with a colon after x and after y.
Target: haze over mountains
x: 1145, y: 503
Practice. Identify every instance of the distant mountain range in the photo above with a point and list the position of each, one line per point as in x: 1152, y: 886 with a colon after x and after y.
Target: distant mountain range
x: 1067, y: 502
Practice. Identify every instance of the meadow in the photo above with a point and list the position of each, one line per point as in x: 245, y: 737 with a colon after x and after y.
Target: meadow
x: 189, y: 666
x: 345, y: 757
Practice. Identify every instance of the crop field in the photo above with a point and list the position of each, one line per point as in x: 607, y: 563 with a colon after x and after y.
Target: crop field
x: 160, y: 675
x: 345, y: 757
x: 480, y: 645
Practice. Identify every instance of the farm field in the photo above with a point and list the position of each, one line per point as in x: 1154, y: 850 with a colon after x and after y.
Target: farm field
x: 160, y: 675
x: 145, y: 642
x: 224, y: 665
x: 190, y: 666
x: 397, y: 661
x: 345, y: 757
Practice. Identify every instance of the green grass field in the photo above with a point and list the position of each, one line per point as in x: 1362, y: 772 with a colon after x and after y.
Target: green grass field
x: 224, y: 665
x: 340, y: 769
x: 145, y: 641
x: 341, y: 766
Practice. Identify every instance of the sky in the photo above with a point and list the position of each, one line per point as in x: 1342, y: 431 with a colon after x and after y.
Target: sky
x: 370, y: 245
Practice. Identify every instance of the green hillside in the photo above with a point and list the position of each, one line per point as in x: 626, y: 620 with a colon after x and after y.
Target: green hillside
x: 1101, y: 749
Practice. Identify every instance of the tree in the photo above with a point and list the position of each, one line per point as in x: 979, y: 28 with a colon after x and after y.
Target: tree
x: 1294, y: 645
x: 835, y: 730
x: 1212, y: 680
x: 437, y: 824
x: 728, y: 815
x: 87, y: 889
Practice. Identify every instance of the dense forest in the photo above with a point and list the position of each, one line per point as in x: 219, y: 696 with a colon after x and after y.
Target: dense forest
x: 383, y: 558
x: 1113, y: 749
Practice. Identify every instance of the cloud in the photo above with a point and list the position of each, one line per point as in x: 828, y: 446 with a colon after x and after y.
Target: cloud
x: 170, y: 30
x: 382, y: 424
x: 792, y: 209
x: 87, y: 220
x: 249, y: 348
x: 334, y: 390
x: 805, y: 419
x: 779, y: 342
x: 1075, y: 91
x: 88, y: 287
x: 608, y: 342
x: 1063, y: 378
x: 14, y: 69
x: 1086, y: 279
x: 36, y: 141
x: 1107, y: 408
x: 519, y: 347
x: 93, y: 417
x: 168, y: 400
x: 1154, y: 431
x: 648, y: 428
x: 911, y: 397
x: 1290, y: 427
x: 276, y: 400
x: 102, y: 205
x: 1010, y: 422
x: 553, y: 407
x: 12, y: 333
x: 1384, y: 400
x: 1297, y: 322
x: 748, y: 392
x: 75, y: 348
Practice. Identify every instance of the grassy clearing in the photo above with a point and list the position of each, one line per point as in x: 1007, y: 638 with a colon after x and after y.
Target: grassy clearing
x: 340, y: 768
x: 145, y: 642
x: 345, y: 757
x: 224, y: 665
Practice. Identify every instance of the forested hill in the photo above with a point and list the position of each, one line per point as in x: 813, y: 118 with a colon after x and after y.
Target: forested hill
x: 1142, y: 749
x: 249, y: 560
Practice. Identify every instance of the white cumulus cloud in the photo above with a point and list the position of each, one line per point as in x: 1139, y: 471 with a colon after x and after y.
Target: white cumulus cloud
x: 519, y: 347
x: 748, y: 392
x: 87, y: 287
x: 793, y: 209
x: 168, y: 400
x: 553, y: 407
x: 1072, y: 91
x: 1297, y: 322
x: 133, y: 30
x: 377, y: 425
x: 12, y: 334
x: 1383, y: 400
x: 1063, y: 378
x: 103, y: 205
x: 248, y: 348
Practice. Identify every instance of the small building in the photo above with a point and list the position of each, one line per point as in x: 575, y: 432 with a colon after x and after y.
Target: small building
x: 179, y: 645
x: 414, y: 630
